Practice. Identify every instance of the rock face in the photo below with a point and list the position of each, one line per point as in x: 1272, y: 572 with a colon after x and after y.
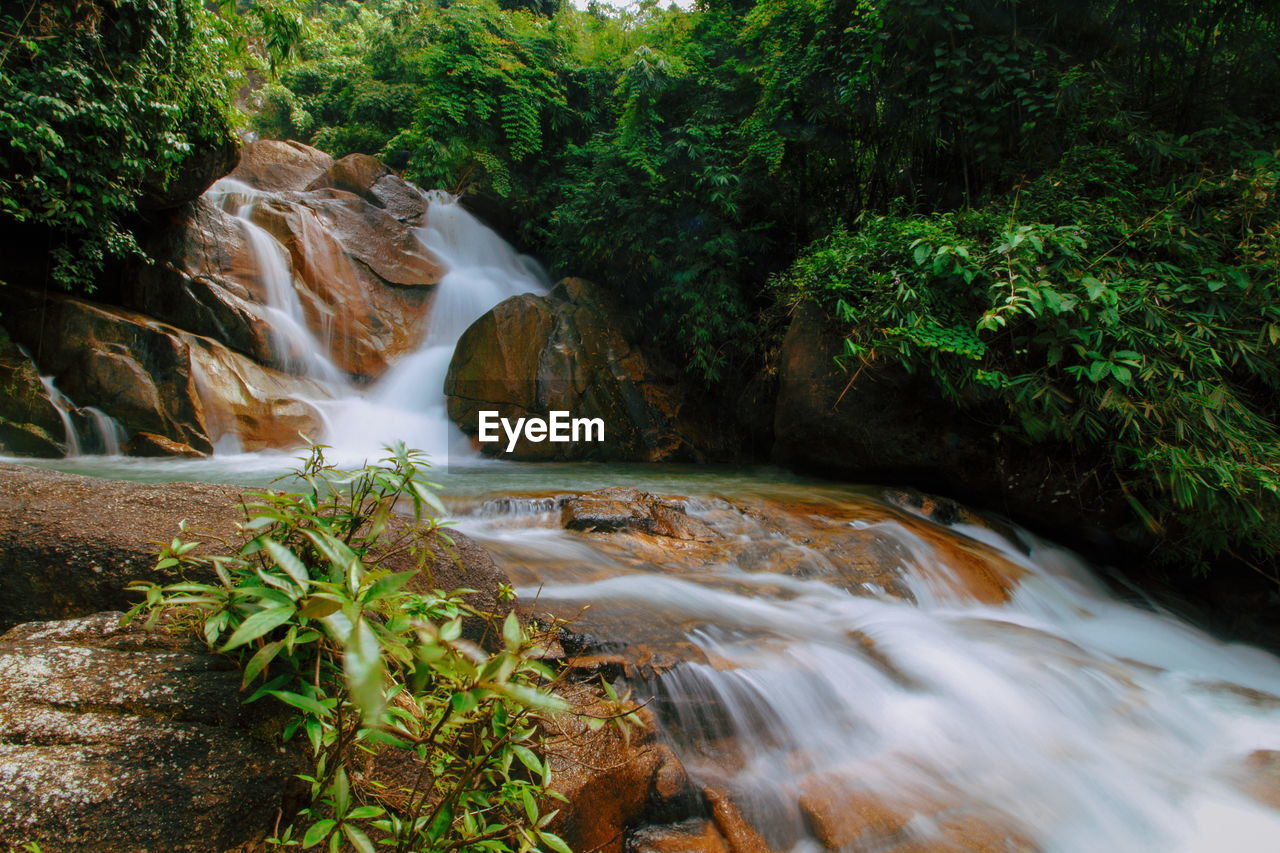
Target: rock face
x: 69, y: 544
x: 116, y: 740
x: 575, y: 351
x: 346, y: 227
x: 180, y: 351
x: 160, y: 380
x: 29, y: 422
x: 884, y: 425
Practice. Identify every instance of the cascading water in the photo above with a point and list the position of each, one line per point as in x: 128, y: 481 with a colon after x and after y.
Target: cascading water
x: 108, y: 432
x: 1060, y: 720
x: 408, y: 403
x: 64, y: 408
x: 299, y: 350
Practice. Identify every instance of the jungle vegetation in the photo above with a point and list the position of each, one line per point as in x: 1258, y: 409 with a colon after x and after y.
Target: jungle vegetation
x: 1066, y: 208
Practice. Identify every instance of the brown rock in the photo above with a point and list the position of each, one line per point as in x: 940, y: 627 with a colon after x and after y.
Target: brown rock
x: 69, y: 544
x: 1262, y: 776
x: 275, y: 166
x: 694, y: 836
x: 883, y: 424
x: 618, y: 509
x: 116, y: 740
x: 576, y: 350
x: 840, y: 817
x: 157, y: 379
x: 368, y: 178
x: 606, y: 778
x: 740, y: 834
x: 29, y: 422
x: 150, y: 444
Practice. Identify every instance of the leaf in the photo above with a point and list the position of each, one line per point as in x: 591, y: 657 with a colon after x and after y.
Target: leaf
x: 302, y: 703
x: 363, y: 666
x: 528, y: 759
x: 318, y: 832
x: 261, y: 658
x: 318, y: 607
x: 555, y: 842
x: 512, y: 635
x: 258, y: 624
x: 287, y: 560
x: 357, y: 838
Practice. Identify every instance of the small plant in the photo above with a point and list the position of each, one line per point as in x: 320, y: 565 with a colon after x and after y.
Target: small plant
x: 376, y: 673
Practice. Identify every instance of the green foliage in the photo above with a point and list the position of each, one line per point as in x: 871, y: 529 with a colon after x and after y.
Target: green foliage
x: 1145, y: 322
x: 368, y: 667
x: 99, y: 101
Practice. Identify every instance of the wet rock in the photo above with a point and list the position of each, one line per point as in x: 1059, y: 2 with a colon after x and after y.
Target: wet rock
x: 370, y: 179
x: 694, y: 836
x: 740, y: 834
x: 152, y: 445
x: 577, y: 351
x: 69, y: 544
x: 882, y: 424
x: 157, y: 379
x: 842, y: 817
x: 276, y: 166
x: 205, y: 281
x: 610, y: 780
x: 622, y: 509
x: 116, y: 740
x: 29, y: 422
x: 1261, y: 777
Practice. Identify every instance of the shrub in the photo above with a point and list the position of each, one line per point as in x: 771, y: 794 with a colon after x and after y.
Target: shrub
x: 316, y: 620
x: 1143, y: 319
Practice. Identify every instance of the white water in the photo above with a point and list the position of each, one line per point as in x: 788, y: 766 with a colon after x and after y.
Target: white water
x: 65, y: 408
x: 1074, y: 721
x: 296, y: 346
x: 109, y: 433
x: 408, y: 403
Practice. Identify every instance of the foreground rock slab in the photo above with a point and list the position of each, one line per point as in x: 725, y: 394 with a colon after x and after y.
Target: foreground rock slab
x: 69, y: 545
x: 116, y: 739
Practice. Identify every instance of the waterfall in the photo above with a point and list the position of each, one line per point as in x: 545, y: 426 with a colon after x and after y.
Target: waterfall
x: 300, y: 352
x: 108, y: 431
x: 65, y: 409
x: 408, y: 403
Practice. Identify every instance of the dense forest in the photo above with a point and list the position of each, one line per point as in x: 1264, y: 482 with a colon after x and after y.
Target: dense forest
x: 1062, y: 211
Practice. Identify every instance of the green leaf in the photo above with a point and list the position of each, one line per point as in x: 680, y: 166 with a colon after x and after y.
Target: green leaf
x: 358, y: 839
x: 512, y: 635
x: 257, y: 625
x: 287, y: 560
x: 318, y: 832
x: 302, y: 703
x: 555, y: 842
x: 364, y: 667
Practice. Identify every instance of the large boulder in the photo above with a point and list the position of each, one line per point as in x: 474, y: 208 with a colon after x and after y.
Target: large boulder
x: 370, y: 179
x: 29, y: 422
x: 881, y: 424
x: 361, y: 275
x: 116, y: 740
x: 275, y: 165
x: 575, y: 350
x: 156, y: 379
x: 69, y: 544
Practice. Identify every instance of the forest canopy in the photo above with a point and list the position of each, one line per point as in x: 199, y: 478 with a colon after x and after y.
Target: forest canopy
x: 1066, y: 209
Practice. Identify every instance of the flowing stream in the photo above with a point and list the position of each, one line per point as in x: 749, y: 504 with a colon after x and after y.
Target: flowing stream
x: 847, y: 672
